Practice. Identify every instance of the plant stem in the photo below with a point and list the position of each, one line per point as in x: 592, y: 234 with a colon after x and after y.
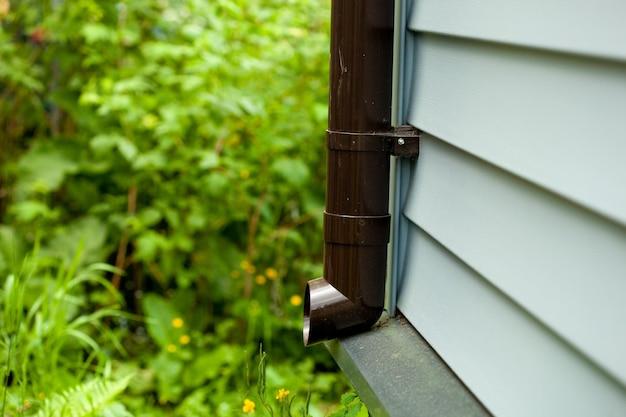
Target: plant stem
x: 120, y: 259
x: 252, y: 230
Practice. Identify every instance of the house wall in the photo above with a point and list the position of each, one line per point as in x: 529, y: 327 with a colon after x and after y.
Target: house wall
x: 515, y: 266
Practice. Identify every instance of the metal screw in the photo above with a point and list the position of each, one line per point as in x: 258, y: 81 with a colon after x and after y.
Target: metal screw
x: 400, y: 141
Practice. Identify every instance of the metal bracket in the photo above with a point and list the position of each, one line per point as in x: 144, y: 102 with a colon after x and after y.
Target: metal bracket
x: 405, y: 142
x: 402, y: 141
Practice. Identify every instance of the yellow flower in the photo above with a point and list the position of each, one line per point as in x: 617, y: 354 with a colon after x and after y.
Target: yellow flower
x: 41, y: 395
x: 27, y: 405
x: 281, y: 394
x: 171, y: 348
x: 184, y: 339
x: 248, y: 406
x: 177, y: 323
x: 244, y: 174
x: 5, y: 6
x: 260, y: 279
x: 247, y: 266
x: 235, y: 274
x: 271, y: 273
x: 295, y: 300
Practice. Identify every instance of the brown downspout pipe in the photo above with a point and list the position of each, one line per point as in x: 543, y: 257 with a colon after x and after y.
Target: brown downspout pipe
x: 360, y: 139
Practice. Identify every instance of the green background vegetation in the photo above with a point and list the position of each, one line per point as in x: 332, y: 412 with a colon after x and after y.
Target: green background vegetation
x: 161, y: 192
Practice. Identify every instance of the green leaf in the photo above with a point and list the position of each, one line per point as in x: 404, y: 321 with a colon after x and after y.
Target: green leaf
x: 115, y: 410
x: 363, y: 412
x: 348, y: 398
x: 209, y: 365
x: 148, y: 245
x: 87, y: 235
x: 44, y: 167
x: 149, y: 216
x: 293, y: 171
x: 208, y: 160
x: 152, y: 160
x: 216, y: 183
x: 85, y: 399
x: 127, y: 149
x: 12, y: 249
x: 351, y: 406
x: 159, y: 315
x: 168, y: 371
x: 320, y: 111
x: 105, y: 142
x: 96, y: 32
x: 162, y: 50
x: 30, y: 210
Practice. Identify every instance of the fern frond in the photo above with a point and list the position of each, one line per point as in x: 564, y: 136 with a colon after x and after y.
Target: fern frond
x: 85, y: 399
x: 115, y: 410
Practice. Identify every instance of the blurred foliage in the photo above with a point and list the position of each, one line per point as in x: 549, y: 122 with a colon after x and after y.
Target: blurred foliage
x: 181, y: 142
x: 350, y: 406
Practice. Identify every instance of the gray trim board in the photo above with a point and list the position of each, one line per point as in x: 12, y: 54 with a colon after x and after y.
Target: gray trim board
x: 397, y: 374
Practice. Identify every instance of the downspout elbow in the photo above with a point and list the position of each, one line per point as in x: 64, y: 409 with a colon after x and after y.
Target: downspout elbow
x: 350, y: 297
x: 329, y: 314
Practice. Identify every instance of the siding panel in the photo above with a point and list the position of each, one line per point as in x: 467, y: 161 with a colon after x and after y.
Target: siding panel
x: 515, y: 366
x: 516, y: 267
x: 562, y: 263
x: 577, y: 26
x: 529, y: 112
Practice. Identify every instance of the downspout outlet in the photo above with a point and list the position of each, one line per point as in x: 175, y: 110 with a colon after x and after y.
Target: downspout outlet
x: 328, y: 313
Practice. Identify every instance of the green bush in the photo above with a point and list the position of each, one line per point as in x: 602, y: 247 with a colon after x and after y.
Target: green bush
x: 180, y: 141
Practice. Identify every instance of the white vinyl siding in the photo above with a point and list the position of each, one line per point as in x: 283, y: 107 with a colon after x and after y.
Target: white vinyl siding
x: 515, y: 269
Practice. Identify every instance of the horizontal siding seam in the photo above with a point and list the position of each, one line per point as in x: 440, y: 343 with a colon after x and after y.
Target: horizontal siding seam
x: 546, y: 188
x: 522, y: 45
